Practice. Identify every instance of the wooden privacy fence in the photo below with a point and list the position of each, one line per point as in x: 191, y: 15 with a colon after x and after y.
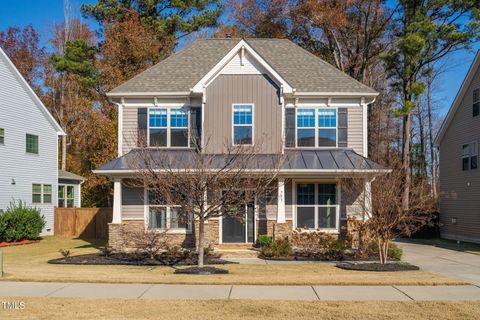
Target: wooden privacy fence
x: 85, y: 223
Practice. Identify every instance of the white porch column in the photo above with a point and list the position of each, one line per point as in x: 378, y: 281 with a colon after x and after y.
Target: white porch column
x: 281, y: 201
x: 117, y: 200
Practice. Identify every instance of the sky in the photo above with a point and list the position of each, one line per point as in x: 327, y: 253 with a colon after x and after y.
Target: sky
x: 42, y: 14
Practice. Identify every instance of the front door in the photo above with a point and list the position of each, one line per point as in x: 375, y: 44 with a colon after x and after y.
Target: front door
x: 235, y: 230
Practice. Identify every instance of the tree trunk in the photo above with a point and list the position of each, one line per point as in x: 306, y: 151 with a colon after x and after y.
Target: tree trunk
x: 201, y: 240
x: 406, y: 161
x: 421, y: 128
x: 64, y: 153
x: 433, y: 160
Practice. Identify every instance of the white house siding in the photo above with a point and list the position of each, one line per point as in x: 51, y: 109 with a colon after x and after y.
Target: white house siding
x: 20, y: 115
x: 355, y: 129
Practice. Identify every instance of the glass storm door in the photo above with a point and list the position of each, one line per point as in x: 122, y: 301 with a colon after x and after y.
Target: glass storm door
x: 234, y: 230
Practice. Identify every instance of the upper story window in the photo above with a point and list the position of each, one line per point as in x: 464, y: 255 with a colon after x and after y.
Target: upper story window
x: 2, y: 136
x: 476, y: 102
x: 168, y: 127
x: 470, y: 156
x: 32, y: 143
x: 316, y: 127
x: 243, y: 124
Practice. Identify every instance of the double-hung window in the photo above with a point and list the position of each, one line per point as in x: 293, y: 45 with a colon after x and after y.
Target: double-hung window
x: 66, y: 196
x: 41, y: 193
x: 168, y: 127
x: 476, y: 102
x: 31, y: 143
x: 165, y: 216
x: 2, y: 136
x: 470, y: 156
x: 317, y: 206
x: 316, y: 127
x: 243, y: 124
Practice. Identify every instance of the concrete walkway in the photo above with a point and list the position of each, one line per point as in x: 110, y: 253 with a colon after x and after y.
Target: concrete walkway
x: 451, y: 263
x: 204, y: 292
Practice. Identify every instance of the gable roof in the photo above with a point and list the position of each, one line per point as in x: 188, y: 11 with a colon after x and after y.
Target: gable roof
x: 474, y: 67
x: 31, y: 93
x: 302, y: 70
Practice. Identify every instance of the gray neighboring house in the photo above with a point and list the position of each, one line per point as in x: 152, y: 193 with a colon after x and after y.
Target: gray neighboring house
x: 29, y: 149
x: 459, y: 174
x: 237, y: 91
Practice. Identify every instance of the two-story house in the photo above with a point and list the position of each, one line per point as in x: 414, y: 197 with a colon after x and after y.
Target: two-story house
x: 29, y: 150
x: 238, y: 92
x: 459, y: 175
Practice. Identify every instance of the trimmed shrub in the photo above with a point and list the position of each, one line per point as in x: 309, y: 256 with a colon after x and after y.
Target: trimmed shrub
x: 20, y: 222
x: 277, y: 248
x: 263, y: 240
x: 319, y: 245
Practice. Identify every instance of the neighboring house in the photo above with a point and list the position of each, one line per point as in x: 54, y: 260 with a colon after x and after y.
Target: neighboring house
x: 459, y: 174
x: 241, y: 91
x: 29, y: 148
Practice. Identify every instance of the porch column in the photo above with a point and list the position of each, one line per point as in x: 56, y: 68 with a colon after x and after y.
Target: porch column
x: 117, y: 200
x: 281, y: 201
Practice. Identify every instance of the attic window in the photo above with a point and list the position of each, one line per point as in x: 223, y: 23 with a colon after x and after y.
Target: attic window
x: 476, y: 102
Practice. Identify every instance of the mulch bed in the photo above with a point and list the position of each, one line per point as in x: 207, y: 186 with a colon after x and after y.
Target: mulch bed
x: 18, y: 243
x: 130, y: 260
x: 375, y: 266
x: 201, y: 271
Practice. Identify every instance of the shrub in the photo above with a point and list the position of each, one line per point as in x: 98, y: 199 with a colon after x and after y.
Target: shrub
x: 319, y: 245
x: 64, y: 252
x: 394, y: 251
x: 20, y: 222
x: 263, y: 240
x: 277, y: 248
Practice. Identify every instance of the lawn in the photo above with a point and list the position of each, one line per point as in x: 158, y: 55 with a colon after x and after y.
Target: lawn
x: 50, y: 308
x: 467, y: 247
x: 29, y: 263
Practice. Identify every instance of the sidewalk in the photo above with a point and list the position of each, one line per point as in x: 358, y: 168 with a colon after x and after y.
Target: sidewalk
x: 205, y: 292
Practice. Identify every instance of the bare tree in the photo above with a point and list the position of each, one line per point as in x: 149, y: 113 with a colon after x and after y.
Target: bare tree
x: 203, y: 186
x: 384, y: 216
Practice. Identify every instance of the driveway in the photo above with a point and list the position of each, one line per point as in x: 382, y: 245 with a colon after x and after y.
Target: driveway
x: 455, y: 264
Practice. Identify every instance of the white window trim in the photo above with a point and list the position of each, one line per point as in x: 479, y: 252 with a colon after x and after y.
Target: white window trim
x: 243, y: 125
x: 316, y: 127
x: 146, y: 217
x: 255, y: 224
x: 168, y: 127
x: 38, y: 144
x: 337, y: 206
x: 42, y: 193
x: 64, y: 186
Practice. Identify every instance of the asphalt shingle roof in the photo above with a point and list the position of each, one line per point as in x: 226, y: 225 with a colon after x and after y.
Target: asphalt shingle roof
x: 301, y: 69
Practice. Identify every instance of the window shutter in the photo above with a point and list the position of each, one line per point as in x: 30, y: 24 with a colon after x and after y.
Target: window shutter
x: 142, y: 126
x: 290, y: 127
x: 342, y: 127
x: 196, y: 127
x: 476, y: 102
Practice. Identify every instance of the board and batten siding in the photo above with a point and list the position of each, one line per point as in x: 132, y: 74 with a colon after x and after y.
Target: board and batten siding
x: 129, y: 128
x: 355, y: 129
x: 227, y: 90
x: 460, y: 190
x: 18, y: 170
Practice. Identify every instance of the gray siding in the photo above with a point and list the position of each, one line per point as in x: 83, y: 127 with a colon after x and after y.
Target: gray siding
x: 132, y: 203
x: 458, y: 199
x: 229, y: 89
x: 129, y: 135
x: 20, y: 115
x: 355, y: 129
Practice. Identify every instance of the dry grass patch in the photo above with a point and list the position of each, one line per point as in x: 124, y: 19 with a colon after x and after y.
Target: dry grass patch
x: 29, y: 263
x: 50, y: 308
